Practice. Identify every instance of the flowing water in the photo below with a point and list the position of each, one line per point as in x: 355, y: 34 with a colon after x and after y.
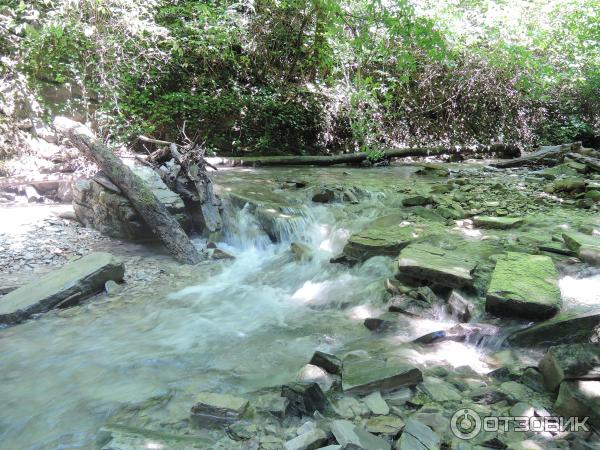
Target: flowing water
x: 251, y: 325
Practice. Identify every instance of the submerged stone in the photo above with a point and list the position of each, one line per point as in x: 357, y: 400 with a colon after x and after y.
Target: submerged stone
x: 66, y: 286
x: 562, y: 329
x: 214, y: 409
x: 570, y: 362
x: 500, y: 223
x: 445, y: 267
x: 363, y: 376
x: 525, y: 286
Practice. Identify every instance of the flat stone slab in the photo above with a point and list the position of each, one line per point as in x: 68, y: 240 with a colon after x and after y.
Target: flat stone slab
x: 446, y: 267
x: 525, y: 286
x: 587, y: 247
x: 570, y: 362
x: 385, y: 236
x: 499, y: 223
x: 347, y: 433
x: 211, y: 409
x: 66, y: 286
x: 562, y: 329
x: 364, y: 376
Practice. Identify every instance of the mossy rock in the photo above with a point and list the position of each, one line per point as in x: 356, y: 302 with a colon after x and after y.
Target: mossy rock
x: 525, y: 286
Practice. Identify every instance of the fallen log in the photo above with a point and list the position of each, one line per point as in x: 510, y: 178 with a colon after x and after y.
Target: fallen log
x: 502, y: 150
x: 162, y: 223
x: 545, y: 156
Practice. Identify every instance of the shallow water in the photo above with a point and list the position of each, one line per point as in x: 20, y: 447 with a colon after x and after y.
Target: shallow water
x: 252, y: 325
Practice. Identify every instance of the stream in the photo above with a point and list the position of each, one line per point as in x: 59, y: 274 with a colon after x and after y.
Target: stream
x: 251, y: 325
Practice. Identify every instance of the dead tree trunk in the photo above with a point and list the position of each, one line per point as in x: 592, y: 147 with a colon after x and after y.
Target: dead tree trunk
x: 142, y: 198
x: 501, y: 150
x: 545, y: 156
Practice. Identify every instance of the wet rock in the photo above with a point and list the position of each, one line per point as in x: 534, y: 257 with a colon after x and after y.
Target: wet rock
x: 572, y: 184
x: 570, y: 362
x: 459, y: 333
x: 349, y: 408
x: 460, y: 307
x: 427, y: 214
x: 386, y: 425
x: 112, y: 288
x: 314, y: 374
x: 580, y: 398
x: 384, y: 323
x: 562, y: 329
x: 301, y: 252
x: 488, y: 396
x: 452, y: 211
x: 587, y: 247
x: 330, y: 363
x: 310, y: 440
x: 417, y: 200
x: 500, y: 223
x: 363, y: 376
x: 432, y: 169
x: 130, y: 438
x: 325, y: 195
x: 418, y: 436
x: 305, y: 398
x: 445, y: 267
x: 385, y: 236
x: 67, y: 286
x: 217, y: 409
x: 407, y: 305
x: 525, y: 286
x: 376, y: 404
x: 345, y: 433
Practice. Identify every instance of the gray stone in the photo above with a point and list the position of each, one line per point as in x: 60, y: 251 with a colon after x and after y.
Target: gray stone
x: 525, y: 286
x: 418, y: 436
x: 112, y: 288
x: 216, y: 409
x: 66, y: 286
x: 310, y: 440
x: 305, y: 398
x: 570, y: 362
x: 363, y: 376
x: 376, y: 404
x: 562, y: 329
x: 587, y: 247
x: 330, y: 363
x: 315, y: 374
x: 440, y: 390
x: 417, y: 200
x: 387, y: 425
x: 533, y: 379
x: 460, y: 307
x: 346, y: 432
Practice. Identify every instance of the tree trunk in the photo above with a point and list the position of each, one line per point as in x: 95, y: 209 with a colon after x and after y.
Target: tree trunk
x: 505, y: 150
x: 142, y: 198
x: 545, y: 156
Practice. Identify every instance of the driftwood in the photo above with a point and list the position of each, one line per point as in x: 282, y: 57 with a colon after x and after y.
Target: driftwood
x: 545, y: 156
x: 193, y: 164
x: 134, y: 188
x: 502, y: 150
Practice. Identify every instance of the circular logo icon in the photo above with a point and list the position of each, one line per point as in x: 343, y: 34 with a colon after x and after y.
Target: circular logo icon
x: 465, y: 424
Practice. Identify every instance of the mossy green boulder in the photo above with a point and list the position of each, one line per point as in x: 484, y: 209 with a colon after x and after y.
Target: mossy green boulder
x: 565, y: 328
x: 524, y: 285
x: 500, y: 223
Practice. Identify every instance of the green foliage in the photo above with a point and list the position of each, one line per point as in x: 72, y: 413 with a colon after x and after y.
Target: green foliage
x: 302, y: 76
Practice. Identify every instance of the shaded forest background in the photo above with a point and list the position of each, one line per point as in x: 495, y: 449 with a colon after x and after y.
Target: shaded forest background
x: 308, y: 76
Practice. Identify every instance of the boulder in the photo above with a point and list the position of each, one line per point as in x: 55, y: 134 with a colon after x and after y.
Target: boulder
x: 99, y: 204
x: 562, y: 329
x: 314, y: 374
x: 305, y: 398
x: 417, y: 200
x: 330, y: 363
x: 217, y: 409
x: 66, y: 286
x: 579, y: 398
x: 525, y: 286
x: 346, y: 433
x: 363, y: 376
x: 500, y: 223
x: 445, y: 267
x: 570, y: 362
